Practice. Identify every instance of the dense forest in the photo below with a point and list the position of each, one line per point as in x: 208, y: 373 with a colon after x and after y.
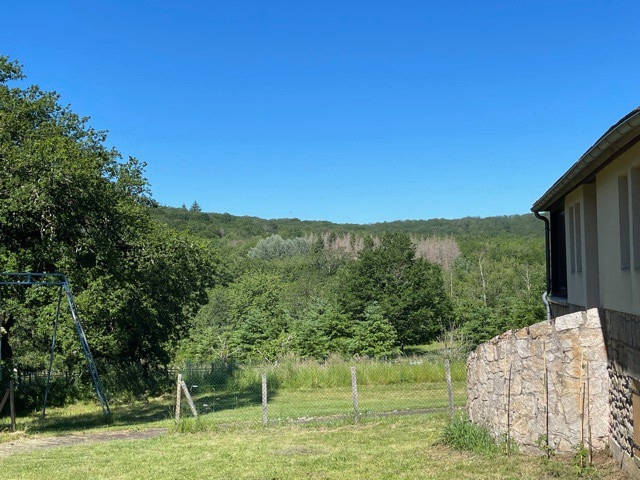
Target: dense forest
x: 159, y: 286
x: 376, y: 290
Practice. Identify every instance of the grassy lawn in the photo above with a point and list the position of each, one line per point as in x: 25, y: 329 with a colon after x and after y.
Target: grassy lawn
x: 385, y: 448
x: 229, y: 441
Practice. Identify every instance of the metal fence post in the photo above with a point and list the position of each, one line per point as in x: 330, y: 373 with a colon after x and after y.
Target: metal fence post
x: 265, y: 418
x: 354, y: 389
x: 447, y: 369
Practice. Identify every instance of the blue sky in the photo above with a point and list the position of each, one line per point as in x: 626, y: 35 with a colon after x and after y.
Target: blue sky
x: 347, y: 111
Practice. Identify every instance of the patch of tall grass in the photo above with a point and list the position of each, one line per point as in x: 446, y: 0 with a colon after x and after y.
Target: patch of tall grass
x: 295, y: 373
x: 464, y: 435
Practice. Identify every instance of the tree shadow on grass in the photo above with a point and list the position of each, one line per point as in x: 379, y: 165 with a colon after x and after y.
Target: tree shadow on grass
x: 61, y: 420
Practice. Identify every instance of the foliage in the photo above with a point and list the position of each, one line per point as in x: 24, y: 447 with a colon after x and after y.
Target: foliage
x: 225, y: 225
x: 69, y: 204
x: 374, y: 336
x: 322, y: 330
x: 275, y: 247
x: 408, y: 290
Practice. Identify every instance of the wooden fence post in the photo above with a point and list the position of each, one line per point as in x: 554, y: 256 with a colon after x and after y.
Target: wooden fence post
x: 265, y: 418
x: 178, y: 397
x: 354, y: 389
x: 189, y: 399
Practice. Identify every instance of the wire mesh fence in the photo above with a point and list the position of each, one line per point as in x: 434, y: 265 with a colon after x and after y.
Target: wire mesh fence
x: 298, y: 391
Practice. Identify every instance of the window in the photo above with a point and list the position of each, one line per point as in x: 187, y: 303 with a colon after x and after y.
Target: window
x: 558, y: 254
x: 623, y: 214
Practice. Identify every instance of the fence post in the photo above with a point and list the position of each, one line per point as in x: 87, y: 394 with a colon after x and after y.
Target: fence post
x: 509, y: 412
x: 447, y: 369
x: 12, y: 407
x: 265, y: 418
x: 354, y: 389
x: 178, y: 397
x: 189, y: 399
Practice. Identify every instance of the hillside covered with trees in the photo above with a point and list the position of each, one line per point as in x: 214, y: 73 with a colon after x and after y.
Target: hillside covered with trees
x: 332, y: 286
x: 157, y: 286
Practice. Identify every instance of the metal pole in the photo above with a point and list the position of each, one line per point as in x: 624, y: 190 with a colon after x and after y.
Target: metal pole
x: 265, y: 418
x: 53, y: 352
x: 354, y: 389
x: 509, y: 413
x: 12, y: 407
x: 447, y: 369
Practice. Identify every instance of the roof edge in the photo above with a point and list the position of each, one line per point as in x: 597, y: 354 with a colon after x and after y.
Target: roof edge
x: 621, y: 135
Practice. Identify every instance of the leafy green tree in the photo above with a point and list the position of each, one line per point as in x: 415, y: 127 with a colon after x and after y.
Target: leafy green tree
x: 323, y: 330
x: 245, y: 320
x: 408, y: 290
x: 69, y: 204
x: 374, y: 336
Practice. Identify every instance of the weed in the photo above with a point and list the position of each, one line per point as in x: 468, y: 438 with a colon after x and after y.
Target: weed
x: 191, y: 425
x: 462, y: 434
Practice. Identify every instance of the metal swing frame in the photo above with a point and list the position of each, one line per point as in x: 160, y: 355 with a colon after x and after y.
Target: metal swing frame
x: 60, y: 280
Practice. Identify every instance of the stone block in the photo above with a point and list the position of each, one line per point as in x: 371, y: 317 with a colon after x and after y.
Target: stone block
x: 541, y: 329
x: 568, y: 322
x: 593, y: 319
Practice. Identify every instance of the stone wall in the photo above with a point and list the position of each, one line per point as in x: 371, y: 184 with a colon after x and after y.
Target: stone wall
x: 622, y: 334
x: 507, y: 389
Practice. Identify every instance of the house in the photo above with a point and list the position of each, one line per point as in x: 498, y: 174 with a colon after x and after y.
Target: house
x: 592, y: 220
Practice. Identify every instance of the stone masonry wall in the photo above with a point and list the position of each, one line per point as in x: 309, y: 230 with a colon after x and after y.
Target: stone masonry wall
x: 622, y: 333
x: 572, y: 349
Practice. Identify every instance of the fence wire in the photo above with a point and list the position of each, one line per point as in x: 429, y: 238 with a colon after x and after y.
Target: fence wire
x: 306, y: 392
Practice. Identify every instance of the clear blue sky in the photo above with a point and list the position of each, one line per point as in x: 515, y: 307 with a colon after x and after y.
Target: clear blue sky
x: 348, y: 111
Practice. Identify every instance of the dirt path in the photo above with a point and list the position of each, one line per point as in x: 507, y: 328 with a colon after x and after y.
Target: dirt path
x: 25, y: 445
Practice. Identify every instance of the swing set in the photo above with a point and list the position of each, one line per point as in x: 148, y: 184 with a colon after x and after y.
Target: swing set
x: 60, y: 281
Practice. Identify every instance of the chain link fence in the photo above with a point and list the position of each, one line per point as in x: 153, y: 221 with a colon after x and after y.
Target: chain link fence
x: 299, y: 391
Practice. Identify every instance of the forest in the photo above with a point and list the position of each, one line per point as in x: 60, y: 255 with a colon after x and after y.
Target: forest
x: 159, y: 286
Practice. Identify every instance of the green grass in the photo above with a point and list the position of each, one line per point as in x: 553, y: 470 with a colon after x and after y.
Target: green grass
x: 388, y: 448
x: 463, y: 435
x: 311, y: 433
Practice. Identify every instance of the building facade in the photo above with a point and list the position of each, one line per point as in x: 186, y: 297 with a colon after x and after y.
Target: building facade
x: 592, y: 223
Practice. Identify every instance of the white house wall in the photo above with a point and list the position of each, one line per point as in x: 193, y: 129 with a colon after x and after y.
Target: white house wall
x: 619, y: 287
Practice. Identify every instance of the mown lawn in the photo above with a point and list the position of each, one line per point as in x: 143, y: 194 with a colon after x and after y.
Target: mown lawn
x: 403, y: 447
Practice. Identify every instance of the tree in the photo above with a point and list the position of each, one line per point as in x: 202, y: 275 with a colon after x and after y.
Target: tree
x: 69, y: 204
x: 409, y: 291
x: 323, y: 330
x: 374, y: 336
